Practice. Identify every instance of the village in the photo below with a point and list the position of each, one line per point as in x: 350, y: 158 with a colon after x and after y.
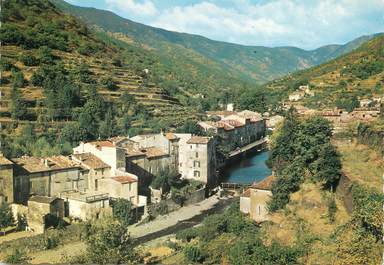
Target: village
x: 84, y: 185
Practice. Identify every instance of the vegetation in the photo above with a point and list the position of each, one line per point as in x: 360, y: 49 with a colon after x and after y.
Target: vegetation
x: 122, y: 211
x: 108, y: 242
x: 6, y: 217
x: 340, y: 82
x: 235, y: 238
x: 299, y: 150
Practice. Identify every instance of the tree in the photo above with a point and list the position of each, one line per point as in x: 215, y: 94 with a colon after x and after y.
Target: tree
x: 18, y: 106
x: 327, y: 168
x: 108, y: 242
x: 193, y: 253
x: 6, y: 217
x: 18, y: 79
x: 190, y: 126
x: 122, y: 211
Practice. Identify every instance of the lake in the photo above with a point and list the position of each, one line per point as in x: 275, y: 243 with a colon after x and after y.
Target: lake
x: 248, y: 170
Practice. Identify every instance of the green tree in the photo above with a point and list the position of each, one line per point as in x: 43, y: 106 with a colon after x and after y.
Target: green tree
x: 122, y: 211
x: 18, y: 107
x: 109, y: 243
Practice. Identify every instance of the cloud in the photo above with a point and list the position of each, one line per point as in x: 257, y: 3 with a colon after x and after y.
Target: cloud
x: 139, y: 8
x: 306, y: 24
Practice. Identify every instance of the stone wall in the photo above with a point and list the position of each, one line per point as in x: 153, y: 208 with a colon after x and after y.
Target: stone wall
x: 344, y: 191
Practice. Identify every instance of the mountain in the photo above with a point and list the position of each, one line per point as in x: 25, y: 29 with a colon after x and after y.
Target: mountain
x: 249, y: 63
x: 339, y: 82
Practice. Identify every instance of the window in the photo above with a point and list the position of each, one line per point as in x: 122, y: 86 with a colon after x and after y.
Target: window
x: 196, y: 163
x: 191, y: 146
x: 96, y: 184
x: 129, y: 187
x: 197, y: 155
x: 196, y: 174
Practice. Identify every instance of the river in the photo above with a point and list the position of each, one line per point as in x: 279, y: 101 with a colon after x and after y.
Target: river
x: 248, y: 170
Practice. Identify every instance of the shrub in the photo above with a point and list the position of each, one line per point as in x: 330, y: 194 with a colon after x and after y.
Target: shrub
x: 109, y: 83
x: 18, y: 79
x: 122, y: 211
x: 6, y: 217
x: 17, y: 257
x: 29, y: 60
x: 193, y: 253
x: 187, y: 235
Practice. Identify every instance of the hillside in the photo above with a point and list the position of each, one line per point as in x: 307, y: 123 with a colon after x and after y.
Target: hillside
x: 357, y: 74
x: 54, y: 69
x: 192, y: 52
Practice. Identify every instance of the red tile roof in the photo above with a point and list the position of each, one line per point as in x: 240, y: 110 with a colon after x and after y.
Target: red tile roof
x: 100, y: 144
x: 124, y: 179
x: 246, y: 193
x: 198, y: 140
x: 90, y: 161
x: 265, y: 184
x: 171, y: 136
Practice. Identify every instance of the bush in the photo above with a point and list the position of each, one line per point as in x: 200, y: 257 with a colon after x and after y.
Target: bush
x: 6, y: 217
x: 187, y: 235
x: 122, y: 211
x: 29, y: 60
x: 17, y: 257
x: 18, y: 79
x: 193, y: 253
x: 109, y: 83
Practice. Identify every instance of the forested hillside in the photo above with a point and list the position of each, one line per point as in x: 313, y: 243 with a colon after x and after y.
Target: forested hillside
x: 340, y: 82
x: 207, y: 60
x: 60, y: 80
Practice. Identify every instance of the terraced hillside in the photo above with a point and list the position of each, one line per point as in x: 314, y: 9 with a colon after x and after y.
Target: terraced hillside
x: 358, y: 74
x: 127, y: 77
x: 72, y: 84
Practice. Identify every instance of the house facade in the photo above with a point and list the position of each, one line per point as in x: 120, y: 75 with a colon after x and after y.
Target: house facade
x: 197, y: 160
x: 255, y: 199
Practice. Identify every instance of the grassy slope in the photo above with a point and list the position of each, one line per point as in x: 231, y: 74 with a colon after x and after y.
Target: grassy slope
x: 250, y: 63
x: 326, y: 79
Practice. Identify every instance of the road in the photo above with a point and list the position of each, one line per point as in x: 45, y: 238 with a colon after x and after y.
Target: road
x: 186, y: 217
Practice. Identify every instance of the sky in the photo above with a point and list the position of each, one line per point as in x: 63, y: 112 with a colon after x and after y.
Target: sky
x: 306, y: 24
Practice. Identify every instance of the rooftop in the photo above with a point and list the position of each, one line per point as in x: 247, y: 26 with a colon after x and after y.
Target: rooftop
x: 152, y: 152
x: 198, y: 140
x: 265, y: 184
x: 90, y: 161
x: 124, y: 179
x: 4, y: 161
x: 35, y: 164
x: 100, y: 144
x: 42, y: 199
x: 171, y: 136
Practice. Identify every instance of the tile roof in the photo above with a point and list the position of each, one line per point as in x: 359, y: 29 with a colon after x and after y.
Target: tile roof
x: 90, y: 161
x: 35, y: 164
x: 100, y: 144
x: 198, y: 140
x: 131, y: 151
x: 42, y: 199
x: 153, y: 152
x: 246, y: 193
x: 265, y: 184
x: 4, y: 161
x: 124, y: 179
x: 171, y: 136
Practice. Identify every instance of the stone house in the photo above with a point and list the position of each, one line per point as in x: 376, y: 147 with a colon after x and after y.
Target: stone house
x: 45, y: 177
x: 197, y: 160
x: 237, y: 128
x: 254, y: 200
x: 296, y: 96
x: 40, y: 209
x: 6, y: 180
x: 107, y: 170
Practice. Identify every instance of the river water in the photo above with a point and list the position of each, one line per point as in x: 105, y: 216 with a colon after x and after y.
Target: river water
x: 248, y: 170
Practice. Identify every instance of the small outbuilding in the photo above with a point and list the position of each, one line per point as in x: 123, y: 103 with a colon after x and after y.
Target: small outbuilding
x: 254, y: 200
x: 44, y: 212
